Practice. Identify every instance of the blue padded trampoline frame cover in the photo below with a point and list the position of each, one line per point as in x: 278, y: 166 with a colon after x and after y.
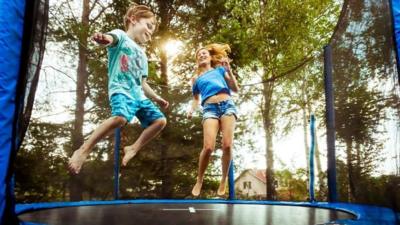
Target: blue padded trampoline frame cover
x: 396, y: 30
x: 11, y: 33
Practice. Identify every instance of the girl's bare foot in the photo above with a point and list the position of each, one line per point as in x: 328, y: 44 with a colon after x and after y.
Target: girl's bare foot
x: 196, y: 189
x: 221, y: 189
x: 129, y: 153
x: 76, y: 161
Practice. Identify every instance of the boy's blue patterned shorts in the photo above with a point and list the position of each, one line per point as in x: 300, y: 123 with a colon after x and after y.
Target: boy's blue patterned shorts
x: 144, y: 110
x: 217, y: 110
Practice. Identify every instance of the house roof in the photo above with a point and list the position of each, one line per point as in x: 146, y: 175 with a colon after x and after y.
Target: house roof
x: 260, y: 174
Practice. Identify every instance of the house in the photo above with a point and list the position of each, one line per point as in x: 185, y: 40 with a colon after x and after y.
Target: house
x: 251, y: 183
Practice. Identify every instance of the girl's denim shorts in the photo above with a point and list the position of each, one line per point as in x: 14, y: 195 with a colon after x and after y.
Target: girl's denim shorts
x: 219, y: 109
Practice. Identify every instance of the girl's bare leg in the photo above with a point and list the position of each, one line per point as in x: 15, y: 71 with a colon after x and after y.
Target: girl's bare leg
x: 78, y: 158
x: 227, y: 129
x: 210, y: 130
x: 149, y: 133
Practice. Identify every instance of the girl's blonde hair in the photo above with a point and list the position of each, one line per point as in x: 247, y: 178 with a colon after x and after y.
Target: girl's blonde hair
x: 138, y: 11
x: 217, y: 51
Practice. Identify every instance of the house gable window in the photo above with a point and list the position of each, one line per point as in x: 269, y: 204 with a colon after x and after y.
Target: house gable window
x: 246, y: 184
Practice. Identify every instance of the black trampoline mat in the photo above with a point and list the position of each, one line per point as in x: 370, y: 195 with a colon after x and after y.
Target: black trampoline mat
x: 174, y: 214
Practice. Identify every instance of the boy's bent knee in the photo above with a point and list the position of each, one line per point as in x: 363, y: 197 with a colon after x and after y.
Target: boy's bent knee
x: 161, y: 122
x: 121, y: 121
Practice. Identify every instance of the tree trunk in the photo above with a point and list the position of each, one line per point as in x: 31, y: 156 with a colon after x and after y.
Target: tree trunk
x: 82, y: 76
x: 305, y: 125
x: 305, y: 136
x: 270, y: 168
x: 166, y: 166
x: 350, y: 172
x: 268, y: 129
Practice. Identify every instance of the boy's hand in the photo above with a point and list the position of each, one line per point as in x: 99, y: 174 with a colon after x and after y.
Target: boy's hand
x: 162, y: 102
x: 102, y: 39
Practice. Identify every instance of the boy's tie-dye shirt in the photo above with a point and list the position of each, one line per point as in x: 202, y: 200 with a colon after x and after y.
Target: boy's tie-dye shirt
x: 127, y: 65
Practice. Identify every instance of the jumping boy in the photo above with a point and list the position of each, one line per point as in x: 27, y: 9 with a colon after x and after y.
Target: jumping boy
x: 128, y: 91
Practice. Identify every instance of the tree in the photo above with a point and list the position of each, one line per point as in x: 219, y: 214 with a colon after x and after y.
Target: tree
x: 279, y: 54
x: 75, y: 33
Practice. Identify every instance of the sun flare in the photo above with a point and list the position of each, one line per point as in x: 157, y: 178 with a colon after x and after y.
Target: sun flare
x: 173, y: 47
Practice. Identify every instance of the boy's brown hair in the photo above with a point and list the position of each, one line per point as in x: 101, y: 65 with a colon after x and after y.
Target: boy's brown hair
x: 138, y: 11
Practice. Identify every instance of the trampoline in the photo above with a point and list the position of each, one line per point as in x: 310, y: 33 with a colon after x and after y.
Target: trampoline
x: 15, y: 117
x: 232, y: 212
x: 169, y: 214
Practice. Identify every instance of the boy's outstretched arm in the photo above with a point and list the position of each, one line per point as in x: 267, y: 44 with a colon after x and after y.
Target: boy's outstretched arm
x: 104, y: 39
x: 148, y: 91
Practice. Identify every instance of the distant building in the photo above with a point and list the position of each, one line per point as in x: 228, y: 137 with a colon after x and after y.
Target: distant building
x: 251, y: 183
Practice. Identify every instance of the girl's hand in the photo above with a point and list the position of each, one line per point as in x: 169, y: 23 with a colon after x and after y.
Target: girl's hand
x: 162, y: 102
x: 226, y: 64
x: 102, y: 39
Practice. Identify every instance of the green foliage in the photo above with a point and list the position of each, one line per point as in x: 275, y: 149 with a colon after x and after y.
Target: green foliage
x: 40, y: 165
x: 292, y: 186
x: 378, y: 190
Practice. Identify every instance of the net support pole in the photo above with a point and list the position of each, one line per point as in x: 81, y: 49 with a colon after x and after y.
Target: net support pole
x: 116, y: 162
x: 311, y: 159
x: 330, y: 123
x: 231, y: 182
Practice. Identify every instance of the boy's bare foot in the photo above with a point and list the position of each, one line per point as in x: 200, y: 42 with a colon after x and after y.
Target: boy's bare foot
x: 76, y: 161
x: 129, y: 153
x: 221, y: 189
x: 196, y: 189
